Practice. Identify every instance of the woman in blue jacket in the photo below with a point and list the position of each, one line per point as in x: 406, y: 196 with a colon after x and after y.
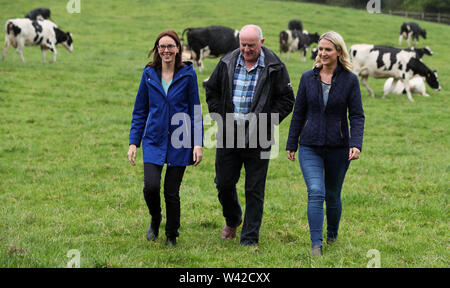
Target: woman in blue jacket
x: 324, y: 96
x: 167, y: 119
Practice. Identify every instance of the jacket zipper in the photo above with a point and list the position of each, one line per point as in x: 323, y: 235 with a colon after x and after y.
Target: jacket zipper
x: 340, y: 129
x: 146, y: 124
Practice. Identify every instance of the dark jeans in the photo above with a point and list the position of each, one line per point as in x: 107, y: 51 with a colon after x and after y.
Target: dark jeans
x: 324, y: 171
x: 152, y: 187
x: 228, y: 169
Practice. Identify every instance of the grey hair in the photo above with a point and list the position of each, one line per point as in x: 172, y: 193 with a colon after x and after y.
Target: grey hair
x: 256, y: 27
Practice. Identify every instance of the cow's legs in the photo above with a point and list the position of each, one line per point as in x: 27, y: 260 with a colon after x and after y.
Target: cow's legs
x: 53, y: 49
x: 364, y: 81
x: 409, y: 39
x: 400, y: 39
x: 43, y: 54
x: 303, y: 53
x: 5, y: 48
x: 20, y: 45
x: 408, y: 90
x: 200, y: 65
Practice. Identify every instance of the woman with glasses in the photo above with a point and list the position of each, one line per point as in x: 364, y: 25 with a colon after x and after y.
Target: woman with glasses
x: 167, y: 120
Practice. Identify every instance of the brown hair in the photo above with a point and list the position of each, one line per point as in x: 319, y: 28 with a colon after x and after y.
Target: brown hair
x: 157, y: 59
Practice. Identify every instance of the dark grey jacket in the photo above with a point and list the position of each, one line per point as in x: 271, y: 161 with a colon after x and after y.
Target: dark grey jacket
x: 273, y: 93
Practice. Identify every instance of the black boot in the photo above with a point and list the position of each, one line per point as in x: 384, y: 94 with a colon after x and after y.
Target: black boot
x: 172, y: 242
x: 153, y: 229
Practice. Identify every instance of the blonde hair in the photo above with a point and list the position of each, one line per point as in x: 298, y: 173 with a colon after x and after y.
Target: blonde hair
x: 340, y: 46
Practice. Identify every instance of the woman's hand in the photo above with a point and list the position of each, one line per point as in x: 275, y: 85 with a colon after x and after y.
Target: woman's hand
x: 290, y: 155
x: 353, y: 154
x: 132, y: 154
x: 197, y: 155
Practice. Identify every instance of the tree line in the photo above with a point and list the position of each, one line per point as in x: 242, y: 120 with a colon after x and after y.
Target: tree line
x: 430, y: 6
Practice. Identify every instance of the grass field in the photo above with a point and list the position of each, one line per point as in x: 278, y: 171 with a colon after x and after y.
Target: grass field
x: 65, y: 181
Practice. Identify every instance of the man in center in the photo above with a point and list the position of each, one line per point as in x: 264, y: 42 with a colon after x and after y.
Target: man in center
x: 249, y: 83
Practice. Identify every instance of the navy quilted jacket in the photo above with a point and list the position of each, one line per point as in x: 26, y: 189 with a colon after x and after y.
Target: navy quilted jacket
x: 317, y: 125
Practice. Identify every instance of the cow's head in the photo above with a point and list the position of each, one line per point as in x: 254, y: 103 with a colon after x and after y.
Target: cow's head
x: 314, y: 38
x: 427, y: 51
x: 187, y: 54
x: 314, y: 52
x: 68, y: 44
x: 432, y: 79
x: 284, y: 37
x: 424, y: 33
x: 64, y: 39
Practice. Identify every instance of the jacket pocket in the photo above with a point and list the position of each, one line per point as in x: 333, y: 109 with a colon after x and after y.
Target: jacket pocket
x: 340, y: 129
x: 149, y: 132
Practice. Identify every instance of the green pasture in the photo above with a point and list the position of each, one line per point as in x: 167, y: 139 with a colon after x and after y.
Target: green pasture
x: 66, y: 183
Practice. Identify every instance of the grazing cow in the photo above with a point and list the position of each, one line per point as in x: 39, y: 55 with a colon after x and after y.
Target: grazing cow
x: 288, y: 42
x: 38, y: 14
x: 210, y: 41
x: 385, y: 62
x: 22, y: 32
x: 314, y: 52
x: 411, y: 30
x: 419, y: 52
x: 305, y: 40
x: 416, y: 86
x: 293, y: 40
x: 187, y: 55
x: 295, y: 25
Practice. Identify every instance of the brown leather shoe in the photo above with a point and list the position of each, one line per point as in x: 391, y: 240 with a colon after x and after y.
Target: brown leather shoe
x: 229, y: 232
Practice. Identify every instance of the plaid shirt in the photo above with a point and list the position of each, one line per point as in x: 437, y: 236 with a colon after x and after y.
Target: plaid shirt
x: 244, y: 84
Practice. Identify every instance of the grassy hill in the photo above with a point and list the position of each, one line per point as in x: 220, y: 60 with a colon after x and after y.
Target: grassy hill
x: 65, y: 181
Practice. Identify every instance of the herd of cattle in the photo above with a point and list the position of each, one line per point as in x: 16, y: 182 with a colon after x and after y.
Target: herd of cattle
x: 404, y: 68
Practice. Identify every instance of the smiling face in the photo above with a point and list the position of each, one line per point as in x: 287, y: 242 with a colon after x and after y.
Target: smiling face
x: 250, y: 44
x: 167, y: 49
x: 327, y: 53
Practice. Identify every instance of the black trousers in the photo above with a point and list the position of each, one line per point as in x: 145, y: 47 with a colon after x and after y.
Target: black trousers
x: 229, y: 163
x: 152, y: 187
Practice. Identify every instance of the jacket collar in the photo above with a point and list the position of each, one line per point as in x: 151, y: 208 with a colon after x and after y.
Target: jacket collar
x: 336, y: 71
x: 154, y: 73
x: 270, y: 59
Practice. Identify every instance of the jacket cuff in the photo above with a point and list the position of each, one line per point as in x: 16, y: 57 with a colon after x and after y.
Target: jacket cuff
x: 135, y: 141
x: 291, y: 147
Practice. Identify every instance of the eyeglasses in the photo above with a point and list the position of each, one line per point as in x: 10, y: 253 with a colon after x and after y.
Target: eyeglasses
x: 164, y: 47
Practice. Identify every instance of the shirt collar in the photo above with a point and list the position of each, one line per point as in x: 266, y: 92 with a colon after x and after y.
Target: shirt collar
x: 259, y: 63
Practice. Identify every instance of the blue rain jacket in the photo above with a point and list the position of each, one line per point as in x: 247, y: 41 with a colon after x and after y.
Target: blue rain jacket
x: 169, y: 126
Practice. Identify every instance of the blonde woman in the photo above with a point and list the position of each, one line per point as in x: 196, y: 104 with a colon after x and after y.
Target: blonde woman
x: 319, y: 126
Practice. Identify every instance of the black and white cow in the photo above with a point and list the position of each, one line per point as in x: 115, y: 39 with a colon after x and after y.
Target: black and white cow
x: 38, y: 14
x: 295, y: 24
x: 210, y: 41
x: 22, y: 32
x: 419, y: 52
x: 294, y: 40
x: 410, y: 31
x: 314, y: 52
x: 384, y: 62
